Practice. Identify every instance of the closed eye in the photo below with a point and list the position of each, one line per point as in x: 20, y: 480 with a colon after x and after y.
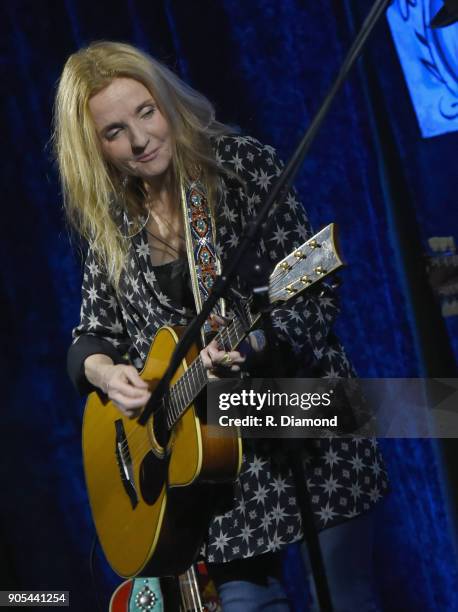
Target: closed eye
x: 111, y: 134
x: 148, y: 112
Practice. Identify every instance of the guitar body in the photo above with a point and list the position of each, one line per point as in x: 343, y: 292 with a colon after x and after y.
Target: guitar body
x: 148, y: 488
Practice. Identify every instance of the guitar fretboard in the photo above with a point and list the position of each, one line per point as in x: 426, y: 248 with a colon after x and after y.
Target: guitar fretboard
x: 194, y: 380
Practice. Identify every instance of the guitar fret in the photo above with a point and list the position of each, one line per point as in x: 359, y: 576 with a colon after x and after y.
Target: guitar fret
x: 192, y: 382
x: 172, y: 405
x: 202, y: 374
x: 175, y: 409
x: 237, y: 336
x: 229, y: 341
x: 186, y: 386
x: 171, y: 400
x: 232, y: 338
x: 166, y: 403
x: 222, y: 336
x: 180, y: 403
x: 186, y: 389
x: 181, y: 397
x: 238, y: 331
x: 189, y: 389
x: 200, y: 371
x: 185, y: 392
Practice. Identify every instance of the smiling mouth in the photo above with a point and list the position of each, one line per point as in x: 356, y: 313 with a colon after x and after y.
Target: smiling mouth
x: 149, y: 156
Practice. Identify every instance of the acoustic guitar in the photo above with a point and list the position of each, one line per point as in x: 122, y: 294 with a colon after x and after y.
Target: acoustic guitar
x: 152, y: 489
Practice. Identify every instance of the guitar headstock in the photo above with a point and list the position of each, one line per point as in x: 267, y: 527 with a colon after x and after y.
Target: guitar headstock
x: 316, y: 258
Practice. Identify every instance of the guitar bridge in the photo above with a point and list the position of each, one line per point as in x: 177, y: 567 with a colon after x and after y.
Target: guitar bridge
x: 124, y: 461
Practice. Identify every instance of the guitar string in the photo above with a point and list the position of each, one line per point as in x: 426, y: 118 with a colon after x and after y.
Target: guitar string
x: 197, y: 595
x: 190, y: 596
x: 184, y: 595
x: 191, y: 589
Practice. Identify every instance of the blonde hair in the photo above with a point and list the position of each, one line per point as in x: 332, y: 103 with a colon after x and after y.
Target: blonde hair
x: 94, y: 191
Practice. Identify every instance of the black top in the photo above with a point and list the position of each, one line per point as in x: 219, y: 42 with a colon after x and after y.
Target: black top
x: 175, y: 281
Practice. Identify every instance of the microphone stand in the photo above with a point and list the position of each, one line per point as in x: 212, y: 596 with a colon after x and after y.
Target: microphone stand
x: 249, y: 240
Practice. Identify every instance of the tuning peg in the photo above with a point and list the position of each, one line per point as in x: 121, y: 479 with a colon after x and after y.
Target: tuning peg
x: 299, y: 254
x: 313, y: 244
x: 285, y: 266
x: 320, y: 270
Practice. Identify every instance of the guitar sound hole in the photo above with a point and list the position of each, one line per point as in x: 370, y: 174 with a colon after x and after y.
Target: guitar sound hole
x: 153, y: 475
x: 160, y: 429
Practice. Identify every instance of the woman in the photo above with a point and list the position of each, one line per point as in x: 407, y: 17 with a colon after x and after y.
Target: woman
x: 130, y: 140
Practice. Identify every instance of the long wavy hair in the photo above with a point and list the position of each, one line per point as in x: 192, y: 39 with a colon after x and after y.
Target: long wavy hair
x: 94, y: 191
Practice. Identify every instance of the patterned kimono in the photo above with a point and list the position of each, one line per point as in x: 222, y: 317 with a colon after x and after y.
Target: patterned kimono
x: 345, y: 477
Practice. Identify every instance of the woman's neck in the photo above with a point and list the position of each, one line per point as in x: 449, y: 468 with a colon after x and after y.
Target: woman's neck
x: 159, y: 193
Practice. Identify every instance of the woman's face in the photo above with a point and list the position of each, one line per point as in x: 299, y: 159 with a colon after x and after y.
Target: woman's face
x: 134, y: 135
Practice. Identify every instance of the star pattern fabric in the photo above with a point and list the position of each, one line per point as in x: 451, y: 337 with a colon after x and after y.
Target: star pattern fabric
x: 344, y: 477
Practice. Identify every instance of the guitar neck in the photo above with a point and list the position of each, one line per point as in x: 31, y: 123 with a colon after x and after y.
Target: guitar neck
x: 195, y: 379
x: 191, y: 599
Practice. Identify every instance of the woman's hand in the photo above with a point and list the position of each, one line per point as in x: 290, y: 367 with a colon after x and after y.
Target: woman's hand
x: 215, y: 360
x: 121, y: 383
x: 125, y: 388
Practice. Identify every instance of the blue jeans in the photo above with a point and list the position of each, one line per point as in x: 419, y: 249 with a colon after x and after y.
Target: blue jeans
x: 347, y: 551
x: 241, y: 596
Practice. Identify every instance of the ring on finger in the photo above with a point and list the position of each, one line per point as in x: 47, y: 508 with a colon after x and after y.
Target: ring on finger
x: 226, y: 360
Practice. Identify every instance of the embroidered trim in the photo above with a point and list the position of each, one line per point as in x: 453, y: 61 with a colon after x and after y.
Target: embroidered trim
x: 200, y: 234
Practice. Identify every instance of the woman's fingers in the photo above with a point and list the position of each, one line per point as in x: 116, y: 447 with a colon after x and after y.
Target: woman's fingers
x: 219, y: 320
x: 127, y: 390
x: 227, y: 358
x: 130, y: 407
x: 126, y: 380
x: 129, y: 400
x: 134, y: 378
x: 212, y: 357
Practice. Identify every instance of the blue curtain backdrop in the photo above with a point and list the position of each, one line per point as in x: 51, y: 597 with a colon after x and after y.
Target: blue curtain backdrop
x: 266, y: 64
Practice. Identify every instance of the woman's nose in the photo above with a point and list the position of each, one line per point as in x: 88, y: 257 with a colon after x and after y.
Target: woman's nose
x: 138, y: 141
